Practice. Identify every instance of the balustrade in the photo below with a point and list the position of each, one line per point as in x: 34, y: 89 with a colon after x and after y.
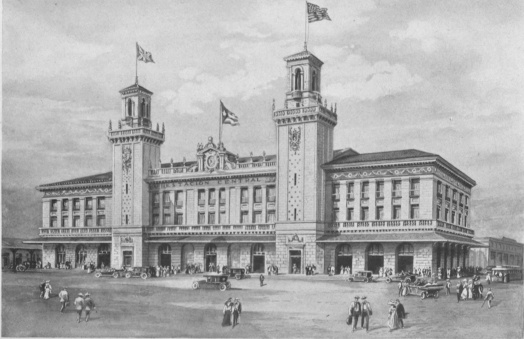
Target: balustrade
x: 75, y: 231
x: 204, y: 229
x: 394, y: 224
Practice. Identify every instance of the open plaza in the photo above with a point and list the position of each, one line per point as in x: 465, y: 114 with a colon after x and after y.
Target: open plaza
x: 286, y: 306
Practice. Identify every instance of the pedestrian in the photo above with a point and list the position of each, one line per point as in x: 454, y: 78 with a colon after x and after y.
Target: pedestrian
x: 489, y: 297
x: 448, y: 287
x: 235, y: 313
x: 366, y: 312
x: 400, y: 288
x: 79, y: 303
x: 488, y: 278
x: 261, y: 280
x: 238, y: 305
x: 354, y: 312
x: 226, y: 319
x: 48, y: 290
x: 401, y: 313
x: 459, y: 291
x: 42, y: 289
x: 89, y: 305
x: 392, y: 316
x: 64, y: 299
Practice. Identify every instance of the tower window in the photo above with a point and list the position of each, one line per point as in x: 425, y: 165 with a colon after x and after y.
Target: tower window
x: 129, y: 107
x: 298, y: 79
x: 314, y: 80
x: 143, y: 108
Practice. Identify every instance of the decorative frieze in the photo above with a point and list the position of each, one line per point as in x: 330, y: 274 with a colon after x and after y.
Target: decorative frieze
x: 384, y: 173
x: 79, y: 192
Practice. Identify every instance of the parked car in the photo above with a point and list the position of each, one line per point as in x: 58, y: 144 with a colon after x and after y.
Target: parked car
x: 213, y: 281
x: 237, y: 273
x: 137, y: 272
x: 408, y: 278
x: 109, y: 272
x: 366, y: 276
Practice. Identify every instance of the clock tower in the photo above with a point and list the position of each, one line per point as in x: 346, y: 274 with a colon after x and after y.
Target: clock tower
x: 136, y: 147
x: 305, y: 141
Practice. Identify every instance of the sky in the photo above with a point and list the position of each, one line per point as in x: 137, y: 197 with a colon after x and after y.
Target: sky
x: 444, y: 77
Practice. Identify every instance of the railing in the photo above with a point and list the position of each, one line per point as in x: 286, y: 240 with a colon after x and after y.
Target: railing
x: 75, y: 232
x: 135, y: 131
x: 394, y: 225
x: 304, y: 110
x: 262, y: 228
x: 257, y: 164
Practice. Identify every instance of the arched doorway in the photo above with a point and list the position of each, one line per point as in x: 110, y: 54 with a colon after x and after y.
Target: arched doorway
x: 210, y: 253
x: 258, y: 258
x: 188, y: 255
x: 344, y: 257
x: 81, y: 255
x: 405, y: 255
x: 233, y: 256
x: 164, y: 255
x: 60, y: 255
x: 375, y: 257
x: 104, y: 256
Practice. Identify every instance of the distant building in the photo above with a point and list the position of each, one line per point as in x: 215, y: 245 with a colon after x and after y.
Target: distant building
x: 308, y: 204
x: 15, y: 248
x: 498, y: 252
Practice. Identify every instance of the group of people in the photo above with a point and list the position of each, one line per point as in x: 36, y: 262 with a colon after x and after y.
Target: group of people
x: 272, y: 269
x: 45, y: 289
x: 83, y: 303
x: 231, y: 312
x: 358, y: 309
x: 164, y: 271
x: 396, y: 315
x: 385, y: 271
x: 469, y: 289
x: 346, y: 270
x: 310, y: 269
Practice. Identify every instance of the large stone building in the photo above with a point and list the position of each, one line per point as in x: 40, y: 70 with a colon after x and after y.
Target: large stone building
x: 497, y: 252
x: 308, y: 204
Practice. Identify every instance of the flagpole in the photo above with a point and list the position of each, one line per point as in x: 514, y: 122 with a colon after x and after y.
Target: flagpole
x: 136, y: 66
x: 220, y: 124
x: 305, y: 30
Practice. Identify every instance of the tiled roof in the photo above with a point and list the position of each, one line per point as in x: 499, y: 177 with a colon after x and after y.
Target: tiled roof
x: 15, y: 243
x: 351, y: 158
x: 344, y: 152
x: 92, y: 179
x: 135, y: 87
x: 305, y: 54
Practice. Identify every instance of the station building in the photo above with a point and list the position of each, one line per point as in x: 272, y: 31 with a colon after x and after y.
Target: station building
x: 306, y: 204
x: 497, y: 252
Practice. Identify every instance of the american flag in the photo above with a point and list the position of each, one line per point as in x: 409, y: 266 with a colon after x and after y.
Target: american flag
x: 315, y: 13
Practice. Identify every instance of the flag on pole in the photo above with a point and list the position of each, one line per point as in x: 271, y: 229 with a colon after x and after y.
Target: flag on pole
x: 228, y: 117
x: 142, y: 55
x: 315, y: 13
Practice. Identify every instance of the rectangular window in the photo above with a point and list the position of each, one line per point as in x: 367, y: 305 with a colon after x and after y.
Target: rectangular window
x: 379, y: 213
x: 351, y: 191
x: 459, y: 219
x: 351, y: 214
x: 201, y: 218
x: 414, y: 213
x: 271, y: 194
x: 76, y: 221
x: 222, y: 217
x: 455, y: 195
x: 156, y: 219
x: 336, y: 216
x: 53, y: 222
x: 212, y: 197
x: 167, y: 219
x: 201, y: 197
x: 414, y: 189
x: 88, y: 222
x: 271, y: 217
x: 65, y: 205
x: 76, y: 204
x: 222, y: 196
x: 452, y: 217
x: 465, y: 221
x: 54, y: 205
x: 211, y: 218
x: 257, y: 217
x: 101, y: 203
x: 167, y: 199
x: 397, y: 189
x: 365, y: 190
x: 65, y: 222
x: 179, y: 198
x: 466, y: 200
x: 156, y: 198
x: 446, y: 215
x: 438, y: 213
x: 448, y: 193
x: 364, y: 213
x: 179, y: 219
x: 244, y: 217
x: 396, y: 212
x: 336, y: 192
x: 439, y: 188
x: 258, y: 194
x: 461, y: 199
x: 89, y: 204
x: 380, y: 189
x: 244, y: 194
x: 101, y: 220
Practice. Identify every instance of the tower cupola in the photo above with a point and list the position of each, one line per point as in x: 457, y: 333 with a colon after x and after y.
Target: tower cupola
x: 304, y: 75
x: 136, y: 106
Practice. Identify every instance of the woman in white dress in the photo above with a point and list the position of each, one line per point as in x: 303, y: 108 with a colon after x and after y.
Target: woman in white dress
x: 48, y: 290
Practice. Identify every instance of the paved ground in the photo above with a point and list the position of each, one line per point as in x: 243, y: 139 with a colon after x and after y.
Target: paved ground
x: 288, y: 306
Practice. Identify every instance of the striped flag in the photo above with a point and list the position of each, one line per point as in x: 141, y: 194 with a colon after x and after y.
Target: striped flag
x: 228, y: 117
x: 315, y: 13
x: 142, y: 55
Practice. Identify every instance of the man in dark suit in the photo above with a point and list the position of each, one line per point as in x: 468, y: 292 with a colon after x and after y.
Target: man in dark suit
x: 460, y: 288
x: 401, y: 313
x: 354, y: 312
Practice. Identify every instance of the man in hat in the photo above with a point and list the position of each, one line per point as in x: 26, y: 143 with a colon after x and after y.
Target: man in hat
x: 401, y: 313
x: 366, y: 312
x: 354, y: 312
x: 79, y: 303
x: 448, y: 287
x: 42, y: 288
x: 489, y: 297
x: 64, y: 299
x: 261, y: 278
x: 89, y: 305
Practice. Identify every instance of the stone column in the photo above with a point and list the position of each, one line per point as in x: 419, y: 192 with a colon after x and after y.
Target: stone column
x: 160, y: 208
x: 250, y: 202
x: 445, y: 258
x: 70, y: 213
x: 405, y: 207
x: 264, y: 204
x: 451, y: 254
x: 358, y: 190
x: 342, y: 203
x: 459, y: 255
x: 83, y: 212
x: 228, y: 205
x: 206, y: 206
x: 372, y: 198
x: 388, y: 192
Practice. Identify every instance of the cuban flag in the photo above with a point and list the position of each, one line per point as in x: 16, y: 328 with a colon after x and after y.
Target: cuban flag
x: 228, y: 117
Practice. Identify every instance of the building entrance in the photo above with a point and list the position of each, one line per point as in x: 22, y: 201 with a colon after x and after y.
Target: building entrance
x: 259, y: 258
x: 405, y: 258
x: 211, y: 258
x: 164, y: 255
x: 128, y: 258
x: 375, y: 257
x: 295, y: 262
x: 104, y: 256
x: 344, y: 259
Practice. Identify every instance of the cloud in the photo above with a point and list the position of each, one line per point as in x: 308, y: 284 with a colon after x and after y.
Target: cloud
x: 188, y: 73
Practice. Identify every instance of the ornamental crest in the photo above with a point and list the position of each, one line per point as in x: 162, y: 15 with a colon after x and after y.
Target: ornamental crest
x: 126, y: 159
x: 211, y: 161
x: 295, y: 238
x: 127, y: 239
x: 294, y: 138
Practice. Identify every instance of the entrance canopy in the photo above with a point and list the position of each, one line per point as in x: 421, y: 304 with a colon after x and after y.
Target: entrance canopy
x: 227, y: 239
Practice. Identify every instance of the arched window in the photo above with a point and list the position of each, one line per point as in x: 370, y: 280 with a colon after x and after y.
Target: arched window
x: 314, y: 81
x: 143, y: 108
x: 258, y: 249
x: 344, y: 250
x: 147, y: 111
x: 129, y: 107
x: 298, y: 79
x: 104, y: 249
x: 81, y: 254
x: 211, y: 249
x: 405, y: 249
x: 165, y: 249
x: 375, y: 249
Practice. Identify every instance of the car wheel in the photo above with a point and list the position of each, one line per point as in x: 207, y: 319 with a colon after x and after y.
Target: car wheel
x: 115, y: 275
x: 98, y: 275
x: 194, y: 285
x: 128, y: 275
x: 143, y: 276
x: 423, y: 295
x: 388, y: 280
x: 408, y: 280
x: 222, y: 287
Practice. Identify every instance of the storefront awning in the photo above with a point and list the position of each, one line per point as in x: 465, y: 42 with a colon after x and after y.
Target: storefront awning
x: 400, y: 237
x: 63, y: 240
x: 227, y: 239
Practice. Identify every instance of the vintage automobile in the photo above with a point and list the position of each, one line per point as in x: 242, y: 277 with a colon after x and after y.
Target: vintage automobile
x: 408, y: 278
x: 213, y: 281
x: 137, y: 272
x: 430, y: 290
x: 109, y: 272
x: 366, y: 276
x: 237, y: 273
